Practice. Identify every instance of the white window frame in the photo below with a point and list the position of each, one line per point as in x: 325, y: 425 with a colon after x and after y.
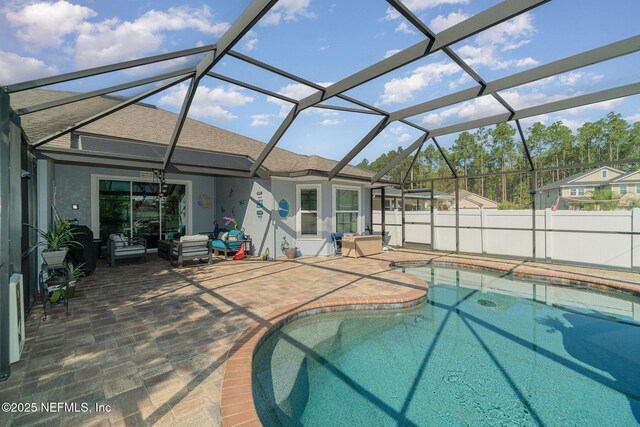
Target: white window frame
x: 299, y: 212
x: 605, y: 173
x: 574, y: 191
x: 626, y: 189
x: 580, y: 191
x: 333, y: 202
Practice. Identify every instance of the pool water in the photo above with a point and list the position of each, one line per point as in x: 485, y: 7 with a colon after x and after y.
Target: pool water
x: 483, y: 350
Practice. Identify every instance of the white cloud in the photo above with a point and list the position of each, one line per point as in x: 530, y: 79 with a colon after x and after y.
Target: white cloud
x: 509, y: 31
x: 464, y: 78
x: 330, y: 122
x: 287, y: 10
x: 67, y: 26
x: 296, y: 91
x: 323, y: 48
x: 391, y: 52
x: 477, y: 108
x: 45, y: 24
x: 634, y: 118
x: 417, y: 6
x: 208, y: 102
x: 404, y: 138
x: 404, y: 28
x: 519, y: 100
x: 395, y: 130
x: 525, y: 62
x: 574, y: 77
x: 261, y: 120
x: 571, y: 123
x: 507, y: 36
x: 15, y: 68
x: 402, y: 89
x: 250, y: 44
x: 441, y: 22
x: 599, y: 106
x: 113, y: 40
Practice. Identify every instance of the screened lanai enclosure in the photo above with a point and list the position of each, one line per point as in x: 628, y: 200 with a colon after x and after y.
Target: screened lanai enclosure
x: 493, y: 182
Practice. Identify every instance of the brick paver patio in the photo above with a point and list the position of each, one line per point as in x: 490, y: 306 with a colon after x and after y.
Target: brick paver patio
x: 151, y: 341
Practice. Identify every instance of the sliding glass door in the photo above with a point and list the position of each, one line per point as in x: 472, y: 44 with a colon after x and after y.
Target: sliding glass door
x: 135, y: 209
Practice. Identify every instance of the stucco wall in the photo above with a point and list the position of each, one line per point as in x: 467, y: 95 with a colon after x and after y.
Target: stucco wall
x: 238, y: 198
x: 72, y: 184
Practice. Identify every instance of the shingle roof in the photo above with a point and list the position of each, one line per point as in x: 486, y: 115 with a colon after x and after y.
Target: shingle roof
x: 575, y: 176
x: 625, y: 176
x: 141, y: 122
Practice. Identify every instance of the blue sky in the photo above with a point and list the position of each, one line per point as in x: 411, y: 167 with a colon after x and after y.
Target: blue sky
x: 325, y: 41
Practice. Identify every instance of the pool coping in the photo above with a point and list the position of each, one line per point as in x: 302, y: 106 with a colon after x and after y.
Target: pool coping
x: 525, y: 271
x: 236, y: 403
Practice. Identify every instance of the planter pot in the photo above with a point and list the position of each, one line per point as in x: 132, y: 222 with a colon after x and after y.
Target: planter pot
x: 290, y: 252
x: 55, y: 259
x: 71, y: 289
x: 54, y: 283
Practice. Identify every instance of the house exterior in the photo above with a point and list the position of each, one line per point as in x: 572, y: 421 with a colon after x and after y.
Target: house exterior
x: 583, y: 184
x: 626, y: 183
x: 419, y: 201
x: 102, y: 175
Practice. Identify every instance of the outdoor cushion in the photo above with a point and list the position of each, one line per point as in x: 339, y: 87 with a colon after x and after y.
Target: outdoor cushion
x: 200, y: 238
x: 192, y: 252
x: 218, y: 244
x: 130, y: 250
x: 118, y: 240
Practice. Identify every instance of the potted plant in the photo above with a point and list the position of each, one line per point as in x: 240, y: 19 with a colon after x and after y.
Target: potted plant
x: 57, y: 284
x: 73, y: 273
x: 56, y: 240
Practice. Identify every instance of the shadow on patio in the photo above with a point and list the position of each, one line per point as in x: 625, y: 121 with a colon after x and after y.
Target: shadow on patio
x: 151, y: 341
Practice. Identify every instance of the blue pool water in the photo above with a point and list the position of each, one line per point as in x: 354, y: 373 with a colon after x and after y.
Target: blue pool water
x: 483, y: 350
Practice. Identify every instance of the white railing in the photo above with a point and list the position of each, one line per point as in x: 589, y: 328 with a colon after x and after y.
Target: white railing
x: 609, y: 238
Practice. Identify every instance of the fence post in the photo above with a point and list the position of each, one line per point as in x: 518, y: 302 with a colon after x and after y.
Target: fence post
x: 483, y: 231
x: 548, y: 235
x: 635, y: 239
x: 434, y: 229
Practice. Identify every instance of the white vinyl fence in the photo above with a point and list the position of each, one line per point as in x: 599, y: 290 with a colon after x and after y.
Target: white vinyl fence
x: 610, y: 238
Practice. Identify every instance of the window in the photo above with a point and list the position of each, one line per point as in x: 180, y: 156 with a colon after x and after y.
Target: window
x: 604, y: 173
x: 577, y: 191
x: 347, y: 209
x: 389, y: 204
x: 308, y: 214
x: 623, y: 189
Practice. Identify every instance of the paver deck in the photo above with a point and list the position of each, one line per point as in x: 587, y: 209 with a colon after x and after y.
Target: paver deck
x: 152, y: 341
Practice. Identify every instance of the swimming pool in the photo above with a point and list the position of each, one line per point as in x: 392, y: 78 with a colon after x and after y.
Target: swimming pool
x: 483, y: 350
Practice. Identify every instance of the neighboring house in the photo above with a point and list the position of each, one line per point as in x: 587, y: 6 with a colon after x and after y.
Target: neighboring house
x: 582, y: 185
x: 627, y: 183
x: 102, y: 175
x: 469, y: 200
x: 413, y: 201
x: 419, y: 201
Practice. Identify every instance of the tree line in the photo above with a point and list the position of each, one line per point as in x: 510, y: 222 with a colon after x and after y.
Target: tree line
x: 500, y: 149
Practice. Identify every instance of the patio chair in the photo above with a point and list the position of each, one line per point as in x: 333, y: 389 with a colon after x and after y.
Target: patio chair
x: 228, y: 242
x: 189, y: 248
x: 336, y: 243
x: 120, y: 247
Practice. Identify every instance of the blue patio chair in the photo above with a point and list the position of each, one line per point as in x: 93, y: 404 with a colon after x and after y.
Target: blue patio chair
x: 336, y: 243
x: 232, y: 242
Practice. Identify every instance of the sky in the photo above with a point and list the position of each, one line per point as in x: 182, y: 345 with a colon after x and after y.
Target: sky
x: 325, y: 41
